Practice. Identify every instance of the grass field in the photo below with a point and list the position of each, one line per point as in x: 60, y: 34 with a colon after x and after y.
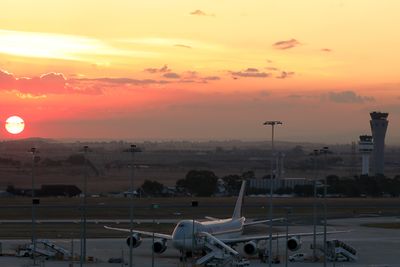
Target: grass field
x: 256, y: 207
x: 172, y: 208
x: 394, y: 225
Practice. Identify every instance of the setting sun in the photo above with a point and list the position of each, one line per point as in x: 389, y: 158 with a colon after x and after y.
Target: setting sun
x: 15, y: 125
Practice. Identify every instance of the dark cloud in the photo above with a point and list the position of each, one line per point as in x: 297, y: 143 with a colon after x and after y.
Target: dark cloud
x: 171, y: 75
x: 163, y: 69
x: 195, y: 77
x: 57, y: 83
x: 190, y: 74
x: 326, y: 50
x: 348, y: 97
x: 286, y: 44
x: 126, y: 81
x: 250, y: 72
x: 199, y: 12
x: 183, y: 46
x: 285, y: 75
x: 211, y: 78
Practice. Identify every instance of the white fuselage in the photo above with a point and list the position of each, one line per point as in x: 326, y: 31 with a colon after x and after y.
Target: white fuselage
x: 185, y: 230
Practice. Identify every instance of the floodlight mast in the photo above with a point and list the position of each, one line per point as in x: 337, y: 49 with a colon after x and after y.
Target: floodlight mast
x: 132, y: 150
x: 33, y: 151
x: 83, y: 208
x: 325, y: 151
x: 272, y: 124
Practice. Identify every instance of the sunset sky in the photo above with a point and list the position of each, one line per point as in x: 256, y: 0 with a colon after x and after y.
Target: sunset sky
x: 198, y: 70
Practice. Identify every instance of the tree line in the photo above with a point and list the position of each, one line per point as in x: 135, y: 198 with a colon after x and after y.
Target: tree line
x: 204, y: 183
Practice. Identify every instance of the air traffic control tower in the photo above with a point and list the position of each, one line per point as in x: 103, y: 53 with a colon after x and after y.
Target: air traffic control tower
x: 379, y: 124
x: 365, y: 147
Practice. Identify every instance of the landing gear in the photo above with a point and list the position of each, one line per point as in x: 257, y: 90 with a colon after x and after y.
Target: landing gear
x: 185, y: 255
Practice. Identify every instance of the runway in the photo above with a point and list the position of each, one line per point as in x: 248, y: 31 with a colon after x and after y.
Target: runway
x: 375, y: 247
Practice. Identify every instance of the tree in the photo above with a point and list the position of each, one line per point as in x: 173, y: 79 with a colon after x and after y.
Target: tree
x: 304, y: 190
x: 200, y: 183
x: 232, y: 183
x: 76, y: 159
x: 152, y: 187
x: 248, y: 175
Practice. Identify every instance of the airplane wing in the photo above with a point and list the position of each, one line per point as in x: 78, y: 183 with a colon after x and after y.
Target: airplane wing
x: 262, y: 221
x: 243, y: 239
x: 150, y: 234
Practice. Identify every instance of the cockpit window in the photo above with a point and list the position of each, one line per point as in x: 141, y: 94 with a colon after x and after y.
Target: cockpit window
x: 181, y: 225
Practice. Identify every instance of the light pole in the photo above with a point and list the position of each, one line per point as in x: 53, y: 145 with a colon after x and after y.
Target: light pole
x: 315, y: 154
x: 153, y: 207
x: 288, y: 211
x: 194, y: 204
x: 272, y: 124
x: 83, y: 207
x: 132, y: 150
x: 325, y: 151
x: 34, y: 202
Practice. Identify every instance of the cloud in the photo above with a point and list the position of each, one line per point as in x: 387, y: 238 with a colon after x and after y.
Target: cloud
x: 171, y: 75
x: 195, y: 77
x: 183, y: 46
x: 49, y: 83
x: 211, y: 78
x: 285, y: 75
x: 123, y: 81
x: 57, y: 83
x: 326, y: 50
x: 287, y: 44
x: 156, y: 70
x: 199, y: 12
x: 250, y: 72
x: 60, y: 46
x: 348, y: 97
x: 29, y: 96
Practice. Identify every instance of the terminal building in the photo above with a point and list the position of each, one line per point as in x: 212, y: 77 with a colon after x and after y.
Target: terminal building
x: 278, y: 183
x: 379, y: 124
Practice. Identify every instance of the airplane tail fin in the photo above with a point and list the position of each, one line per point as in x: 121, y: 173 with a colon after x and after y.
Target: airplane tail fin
x: 237, y: 213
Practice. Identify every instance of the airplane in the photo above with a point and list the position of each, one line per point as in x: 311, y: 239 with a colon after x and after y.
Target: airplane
x: 226, y: 232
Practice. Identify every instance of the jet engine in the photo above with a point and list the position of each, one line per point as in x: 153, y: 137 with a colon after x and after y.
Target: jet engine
x: 293, y: 244
x: 136, y: 240
x: 159, y: 246
x: 250, y: 248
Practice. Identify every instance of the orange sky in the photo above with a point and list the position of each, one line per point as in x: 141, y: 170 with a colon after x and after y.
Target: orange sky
x: 200, y: 69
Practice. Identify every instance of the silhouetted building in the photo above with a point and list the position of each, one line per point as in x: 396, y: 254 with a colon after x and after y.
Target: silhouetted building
x: 59, y: 190
x: 278, y: 183
x: 47, y: 191
x: 379, y: 124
